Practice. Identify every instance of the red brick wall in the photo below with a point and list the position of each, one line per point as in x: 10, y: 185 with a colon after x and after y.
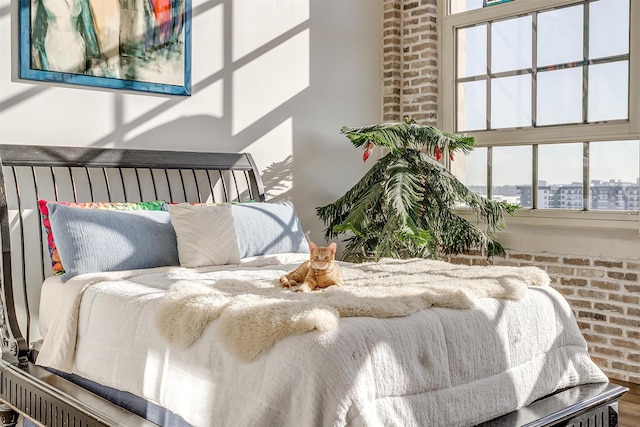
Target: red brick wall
x: 410, y: 60
x: 392, y: 60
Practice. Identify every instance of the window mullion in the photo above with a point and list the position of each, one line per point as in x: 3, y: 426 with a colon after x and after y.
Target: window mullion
x: 534, y: 177
x: 489, y: 172
x: 585, y: 67
x: 534, y: 67
x: 489, y: 78
x: 586, y: 190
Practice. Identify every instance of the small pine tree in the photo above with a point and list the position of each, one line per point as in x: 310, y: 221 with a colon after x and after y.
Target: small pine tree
x: 404, y: 206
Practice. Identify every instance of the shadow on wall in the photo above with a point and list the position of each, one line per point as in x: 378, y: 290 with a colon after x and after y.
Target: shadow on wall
x: 185, y: 133
x: 277, y: 179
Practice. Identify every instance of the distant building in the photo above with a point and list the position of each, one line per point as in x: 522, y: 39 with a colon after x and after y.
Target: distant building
x: 605, y: 195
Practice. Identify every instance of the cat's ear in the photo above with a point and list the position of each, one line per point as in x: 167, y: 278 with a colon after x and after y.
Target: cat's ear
x: 312, y: 245
x: 332, y: 247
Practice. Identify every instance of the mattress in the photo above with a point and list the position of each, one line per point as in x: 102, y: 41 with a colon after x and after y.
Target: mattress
x: 51, y: 297
x: 439, y: 366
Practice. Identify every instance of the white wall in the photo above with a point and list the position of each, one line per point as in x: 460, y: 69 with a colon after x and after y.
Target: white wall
x: 277, y: 78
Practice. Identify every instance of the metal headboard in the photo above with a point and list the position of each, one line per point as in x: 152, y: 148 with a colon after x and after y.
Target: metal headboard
x: 73, y: 174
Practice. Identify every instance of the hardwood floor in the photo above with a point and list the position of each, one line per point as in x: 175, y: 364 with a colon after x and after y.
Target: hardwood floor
x: 629, y: 407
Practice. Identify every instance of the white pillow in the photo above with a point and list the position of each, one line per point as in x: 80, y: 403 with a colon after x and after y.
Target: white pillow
x: 206, y: 235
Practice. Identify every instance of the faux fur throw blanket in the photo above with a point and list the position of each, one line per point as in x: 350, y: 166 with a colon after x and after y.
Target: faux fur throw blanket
x: 252, y: 315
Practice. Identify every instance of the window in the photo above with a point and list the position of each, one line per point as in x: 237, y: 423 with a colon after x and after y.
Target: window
x: 551, y: 90
x: 613, y: 167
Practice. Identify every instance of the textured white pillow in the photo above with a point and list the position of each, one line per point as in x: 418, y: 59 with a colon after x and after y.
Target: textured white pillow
x: 206, y: 235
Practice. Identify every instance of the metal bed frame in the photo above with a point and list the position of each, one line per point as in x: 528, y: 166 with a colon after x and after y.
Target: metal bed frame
x: 29, y: 173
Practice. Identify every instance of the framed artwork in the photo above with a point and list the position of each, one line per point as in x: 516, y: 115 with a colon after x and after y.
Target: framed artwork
x: 142, y: 45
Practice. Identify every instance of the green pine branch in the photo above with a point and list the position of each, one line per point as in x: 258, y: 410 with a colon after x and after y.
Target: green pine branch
x: 397, y: 137
x: 404, y: 206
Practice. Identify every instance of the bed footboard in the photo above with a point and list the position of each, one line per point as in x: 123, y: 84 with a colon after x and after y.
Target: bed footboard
x: 53, y: 401
x: 593, y: 405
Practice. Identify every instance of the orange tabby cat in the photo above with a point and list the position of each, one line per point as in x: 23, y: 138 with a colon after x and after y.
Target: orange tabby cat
x: 320, y: 271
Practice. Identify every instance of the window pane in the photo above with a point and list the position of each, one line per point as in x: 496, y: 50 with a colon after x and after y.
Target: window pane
x: 472, y: 106
x: 608, y: 28
x: 511, y: 44
x: 511, y: 102
x: 464, y: 5
x: 472, y: 51
x: 609, y: 91
x: 560, y: 36
x: 559, y: 96
x: 512, y: 174
x: 615, y: 175
x: 560, y: 176
x: 474, y: 173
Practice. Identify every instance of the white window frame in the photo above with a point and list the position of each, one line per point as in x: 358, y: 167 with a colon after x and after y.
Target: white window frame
x: 619, y: 130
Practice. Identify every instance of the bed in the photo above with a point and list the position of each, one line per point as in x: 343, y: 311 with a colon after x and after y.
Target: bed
x: 215, y: 341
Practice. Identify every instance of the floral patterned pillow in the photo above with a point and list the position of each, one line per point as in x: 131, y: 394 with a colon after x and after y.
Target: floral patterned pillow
x: 56, y: 264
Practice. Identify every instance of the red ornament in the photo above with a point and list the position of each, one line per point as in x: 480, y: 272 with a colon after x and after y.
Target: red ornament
x: 367, y: 151
x: 438, y: 155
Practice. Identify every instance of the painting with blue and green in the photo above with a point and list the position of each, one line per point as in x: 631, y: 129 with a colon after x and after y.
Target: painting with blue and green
x: 142, y: 45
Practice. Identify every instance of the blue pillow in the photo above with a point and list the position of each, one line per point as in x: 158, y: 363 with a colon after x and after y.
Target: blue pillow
x: 268, y: 228
x: 95, y: 240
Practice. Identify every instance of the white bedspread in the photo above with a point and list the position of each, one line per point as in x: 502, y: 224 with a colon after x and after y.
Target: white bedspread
x: 435, y: 367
